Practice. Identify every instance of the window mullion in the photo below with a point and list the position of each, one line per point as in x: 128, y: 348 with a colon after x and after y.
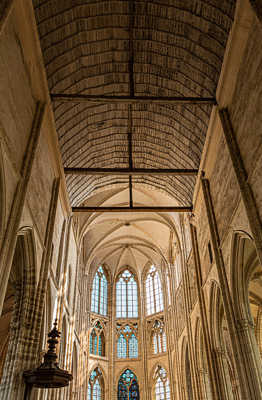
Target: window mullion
x: 99, y: 291
x: 154, y: 293
x: 126, y: 301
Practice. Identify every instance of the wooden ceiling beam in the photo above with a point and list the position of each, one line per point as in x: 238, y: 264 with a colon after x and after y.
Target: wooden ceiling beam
x: 132, y: 209
x: 84, y: 98
x: 130, y: 172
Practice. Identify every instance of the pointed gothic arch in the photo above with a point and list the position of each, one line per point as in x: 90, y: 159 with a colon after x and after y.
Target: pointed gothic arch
x: 96, y: 385
x: 246, y: 281
x: 128, y: 387
x: 221, y: 344
x: 201, y: 360
x: 19, y: 308
x: 99, y: 291
x: 127, y: 293
x: 97, y: 342
x: 153, y: 289
x: 161, y: 384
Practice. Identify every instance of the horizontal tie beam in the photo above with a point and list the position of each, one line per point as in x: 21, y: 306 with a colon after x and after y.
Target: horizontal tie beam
x: 129, y: 172
x: 85, y: 98
x: 131, y: 209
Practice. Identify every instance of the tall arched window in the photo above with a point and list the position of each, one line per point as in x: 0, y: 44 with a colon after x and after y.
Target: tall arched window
x: 99, y: 293
x: 126, y: 295
x: 128, y: 388
x: 127, y: 343
x: 154, y: 295
x: 158, y: 337
x: 97, y: 340
x: 96, y: 385
x: 162, y: 388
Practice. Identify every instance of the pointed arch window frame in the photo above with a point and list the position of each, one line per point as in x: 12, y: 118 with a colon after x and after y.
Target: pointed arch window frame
x: 92, y: 383
x: 161, y: 384
x: 128, y: 381
x: 97, y: 339
x: 158, y: 338
x: 124, y: 349
x: 153, y: 291
x: 131, y: 308
x: 97, y: 306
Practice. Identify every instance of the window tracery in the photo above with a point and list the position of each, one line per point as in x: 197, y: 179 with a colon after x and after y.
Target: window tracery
x: 162, y: 387
x: 127, y: 342
x: 128, y: 387
x: 96, y: 385
x: 126, y: 295
x: 97, y: 340
x: 154, y: 295
x: 99, y: 293
x: 158, y: 337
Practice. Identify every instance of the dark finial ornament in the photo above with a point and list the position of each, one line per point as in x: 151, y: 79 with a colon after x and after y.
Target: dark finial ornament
x: 48, y: 374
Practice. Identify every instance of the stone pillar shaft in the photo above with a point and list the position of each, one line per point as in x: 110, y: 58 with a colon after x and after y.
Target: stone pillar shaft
x: 216, y: 389
x: 245, y: 372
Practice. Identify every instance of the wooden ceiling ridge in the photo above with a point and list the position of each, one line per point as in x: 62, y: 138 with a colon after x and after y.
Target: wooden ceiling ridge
x: 171, y: 100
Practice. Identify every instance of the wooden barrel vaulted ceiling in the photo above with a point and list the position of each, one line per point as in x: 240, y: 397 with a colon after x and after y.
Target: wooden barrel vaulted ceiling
x: 136, y: 48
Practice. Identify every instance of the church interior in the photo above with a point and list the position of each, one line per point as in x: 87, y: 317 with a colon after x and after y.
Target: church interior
x: 131, y: 199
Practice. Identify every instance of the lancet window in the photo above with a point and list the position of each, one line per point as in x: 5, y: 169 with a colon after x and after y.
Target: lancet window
x: 128, y: 388
x: 97, y: 340
x: 154, y: 295
x: 96, y: 385
x: 162, y: 387
x: 158, y: 337
x: 99, y: 293
x: 126, y: 295
x: 127, y: 342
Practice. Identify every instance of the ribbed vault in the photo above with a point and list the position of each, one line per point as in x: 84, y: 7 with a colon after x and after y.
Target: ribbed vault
x: 159, y: 48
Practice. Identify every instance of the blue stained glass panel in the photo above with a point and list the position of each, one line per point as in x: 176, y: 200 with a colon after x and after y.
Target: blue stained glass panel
x: 128, y: 387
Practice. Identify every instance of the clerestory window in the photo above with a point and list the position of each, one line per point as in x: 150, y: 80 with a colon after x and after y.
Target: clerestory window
x: 154, y: 295
x: 99, y: 293
x: 126, y: 295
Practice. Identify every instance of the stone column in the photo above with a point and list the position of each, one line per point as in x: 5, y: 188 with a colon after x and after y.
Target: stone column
x: 187, y: 304
x: 215, y: 387
x: 249, y: 387
x: 9, y: 242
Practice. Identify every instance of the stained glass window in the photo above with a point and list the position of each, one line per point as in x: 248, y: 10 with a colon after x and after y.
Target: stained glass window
x: 128, y: 388
x: 99, y: 293
x: 96, y: 385
x: 97, y: 340
x: 127, y: 343
x: 154, y: 296
x: 126, y: 295
x: 162, y: 388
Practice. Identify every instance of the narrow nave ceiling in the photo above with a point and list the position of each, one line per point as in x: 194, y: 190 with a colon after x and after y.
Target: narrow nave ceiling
x: 160, y: 49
